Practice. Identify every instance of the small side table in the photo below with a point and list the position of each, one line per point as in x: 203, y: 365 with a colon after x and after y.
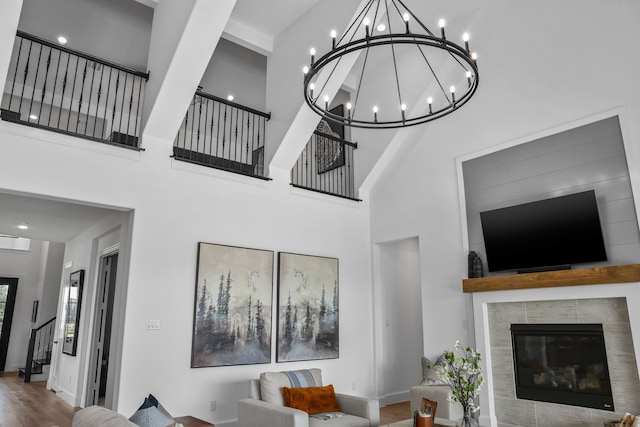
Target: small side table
x: 190, y: 421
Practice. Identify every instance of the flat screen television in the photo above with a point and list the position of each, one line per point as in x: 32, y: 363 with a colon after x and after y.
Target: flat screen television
x: 546, y: 234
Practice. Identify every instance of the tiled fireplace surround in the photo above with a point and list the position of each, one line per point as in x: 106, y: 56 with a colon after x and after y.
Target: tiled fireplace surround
x: 616, y: 306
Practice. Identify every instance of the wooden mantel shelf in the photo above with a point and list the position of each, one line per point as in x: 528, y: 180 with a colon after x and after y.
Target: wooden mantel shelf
x: 552, y: 279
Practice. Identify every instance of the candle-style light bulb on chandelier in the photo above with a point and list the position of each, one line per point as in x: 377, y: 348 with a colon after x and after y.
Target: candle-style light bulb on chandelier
x: 390, y: 28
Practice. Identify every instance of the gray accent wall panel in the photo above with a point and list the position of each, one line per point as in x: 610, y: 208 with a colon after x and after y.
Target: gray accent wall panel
x: 590, y: 157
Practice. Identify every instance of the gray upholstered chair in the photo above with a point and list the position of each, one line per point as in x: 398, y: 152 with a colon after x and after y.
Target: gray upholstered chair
x: 433, y: 388
x: 265, y: 405
x: 437, y: 393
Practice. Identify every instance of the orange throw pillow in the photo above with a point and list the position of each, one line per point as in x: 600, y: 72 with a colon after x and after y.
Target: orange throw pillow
x: 312, y: 400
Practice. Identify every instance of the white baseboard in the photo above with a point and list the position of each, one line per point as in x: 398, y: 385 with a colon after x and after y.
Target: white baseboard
x: 389, y: 399
x: 70, y: 398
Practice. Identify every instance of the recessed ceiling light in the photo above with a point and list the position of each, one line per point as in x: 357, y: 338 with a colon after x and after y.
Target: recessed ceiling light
x: 230, y: 97
x: 381, y: 27
x: 23, y: 226
x: 33, y: 117
x: 62, y: 40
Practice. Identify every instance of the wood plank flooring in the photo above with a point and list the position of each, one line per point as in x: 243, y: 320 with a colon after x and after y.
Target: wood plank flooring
x: 395, y: 412
x: 32, y: 405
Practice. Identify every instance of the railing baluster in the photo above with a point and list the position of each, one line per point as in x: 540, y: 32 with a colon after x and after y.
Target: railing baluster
x: 64, y: 89
x: 35, y: 81
x: 192, y: 110
x: 124, y: 96
x: 24, y: 78
x: 15, y: 74
x: 93, y: 78
x: 44, y: 86
x: 84, y: 77
x: 73, y: 91
x: 55, y: 84
x: 139, y: 110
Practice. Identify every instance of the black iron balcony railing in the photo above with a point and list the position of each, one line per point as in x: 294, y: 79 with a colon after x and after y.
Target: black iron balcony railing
x: 326, y: 166
x: 224, y: 135
x: 63, y: 90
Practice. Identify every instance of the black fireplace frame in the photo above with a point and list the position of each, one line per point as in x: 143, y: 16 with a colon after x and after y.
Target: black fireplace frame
x: 584, y: 399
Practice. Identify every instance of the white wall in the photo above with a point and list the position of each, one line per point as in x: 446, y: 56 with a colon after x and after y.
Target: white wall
x: 48, y: 305
x: 176, y: 206
x: 238, y: 71
x: 402, y: 318
x: 25, y: 265
x: 117, y: 31
x: 541, y: 66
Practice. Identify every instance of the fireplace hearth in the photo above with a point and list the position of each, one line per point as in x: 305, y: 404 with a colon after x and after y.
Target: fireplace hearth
x: 562, y: 363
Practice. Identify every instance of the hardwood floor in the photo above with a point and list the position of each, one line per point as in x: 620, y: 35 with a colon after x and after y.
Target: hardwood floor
x: 31, y: 404
x: 395, y: 412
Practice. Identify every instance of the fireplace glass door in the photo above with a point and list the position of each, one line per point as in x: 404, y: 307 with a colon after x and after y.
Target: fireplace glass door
x: 562, y: 363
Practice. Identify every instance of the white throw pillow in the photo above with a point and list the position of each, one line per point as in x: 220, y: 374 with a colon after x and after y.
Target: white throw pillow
x: 271, y: 384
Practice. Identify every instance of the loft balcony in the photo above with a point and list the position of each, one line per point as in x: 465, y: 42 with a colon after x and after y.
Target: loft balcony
x: 222, y: 134
x: 63, y: 90
x: 326, y: 165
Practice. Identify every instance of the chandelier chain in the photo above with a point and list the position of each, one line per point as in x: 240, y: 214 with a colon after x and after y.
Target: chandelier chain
x: 393, y: 54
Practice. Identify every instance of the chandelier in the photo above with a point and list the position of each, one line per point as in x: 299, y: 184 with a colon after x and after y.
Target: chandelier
x: 386, y: 42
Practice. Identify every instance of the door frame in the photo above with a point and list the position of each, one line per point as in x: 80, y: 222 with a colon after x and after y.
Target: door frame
x: 104, y: 294
x: 8, y: 317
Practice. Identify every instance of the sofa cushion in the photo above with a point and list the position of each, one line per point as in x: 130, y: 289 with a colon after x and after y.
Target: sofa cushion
x: 345, y: 421
x: 429, y: 375
x: 312, y: 400
x: 271, y: 383
x: 97, y: 416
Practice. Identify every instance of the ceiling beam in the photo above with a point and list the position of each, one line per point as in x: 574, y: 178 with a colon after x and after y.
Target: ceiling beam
x: 179, y: 54
x: 306, y: 120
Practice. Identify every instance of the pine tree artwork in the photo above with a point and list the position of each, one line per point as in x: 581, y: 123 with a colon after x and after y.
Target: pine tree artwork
x: 308, y: 308
x: 232, y: 319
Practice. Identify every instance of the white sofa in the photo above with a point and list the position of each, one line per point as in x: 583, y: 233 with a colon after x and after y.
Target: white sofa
x: 97, y: 416
x: 265, y: 406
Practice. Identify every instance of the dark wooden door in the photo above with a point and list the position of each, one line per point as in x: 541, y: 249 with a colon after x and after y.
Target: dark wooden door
x: 8, y: 289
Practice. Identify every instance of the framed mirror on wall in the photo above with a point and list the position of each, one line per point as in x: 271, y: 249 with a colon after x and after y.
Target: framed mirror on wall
x: 72, y: 310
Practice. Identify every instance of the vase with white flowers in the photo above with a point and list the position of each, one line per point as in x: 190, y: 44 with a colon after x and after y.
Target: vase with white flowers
x: 460, y: 368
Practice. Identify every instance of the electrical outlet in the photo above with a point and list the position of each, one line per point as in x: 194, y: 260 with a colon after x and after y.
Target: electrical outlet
x: 152, y: 325
x: 212, y: 405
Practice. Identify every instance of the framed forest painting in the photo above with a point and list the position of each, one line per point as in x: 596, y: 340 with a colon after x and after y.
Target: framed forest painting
x: 308, y: 308
x: 233, y: 306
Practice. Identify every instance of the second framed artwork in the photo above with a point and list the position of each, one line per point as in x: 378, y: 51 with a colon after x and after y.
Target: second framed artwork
x: 308, y: 314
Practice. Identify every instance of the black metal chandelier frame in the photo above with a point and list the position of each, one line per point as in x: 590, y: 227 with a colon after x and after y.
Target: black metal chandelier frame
x: 462, y: 56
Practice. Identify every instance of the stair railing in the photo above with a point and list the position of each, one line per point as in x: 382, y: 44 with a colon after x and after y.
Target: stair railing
x: 40, y: 348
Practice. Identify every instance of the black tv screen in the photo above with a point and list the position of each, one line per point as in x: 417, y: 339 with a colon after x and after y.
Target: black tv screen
x: 559, y: 231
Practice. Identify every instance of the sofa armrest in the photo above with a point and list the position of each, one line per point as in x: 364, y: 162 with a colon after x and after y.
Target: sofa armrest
x: 256, y: 413
x: 361, y: 407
